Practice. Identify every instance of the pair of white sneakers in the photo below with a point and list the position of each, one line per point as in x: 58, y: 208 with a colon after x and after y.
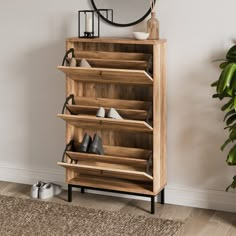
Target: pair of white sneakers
x: 44, y: 190
x: 112, y: 113
x: 83, y: 63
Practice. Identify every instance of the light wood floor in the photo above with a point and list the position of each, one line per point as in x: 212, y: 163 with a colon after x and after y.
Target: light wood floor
x: 198, y: 222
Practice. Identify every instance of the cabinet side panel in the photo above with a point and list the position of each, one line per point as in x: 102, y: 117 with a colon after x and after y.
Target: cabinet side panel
x: 159, y: 118
x: 71, y: 87
x: 163, y: 142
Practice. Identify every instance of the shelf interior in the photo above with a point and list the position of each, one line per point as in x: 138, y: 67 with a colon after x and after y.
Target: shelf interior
x: 119, y: 160
x: 132, y: 186
x: 115, y: 60
x: 110, y: 167
x: 128, y: 109
x: 122, y: 162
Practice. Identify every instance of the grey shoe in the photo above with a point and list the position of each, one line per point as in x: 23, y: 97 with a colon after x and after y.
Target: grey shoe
x: 84, y: 63
x: 34, y: 192
x: 87, y: 140
x: 96, y: 146
x: 112, y: 113
x: 101, y: 112
x: 149, y: 166
x: 49, y: 190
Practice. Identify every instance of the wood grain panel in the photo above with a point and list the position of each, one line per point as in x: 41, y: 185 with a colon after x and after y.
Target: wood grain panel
x: 127, y: 143
x: 106, y: 55
x: 102, y: 75
x: 87, y: 121
x: 122, y: 169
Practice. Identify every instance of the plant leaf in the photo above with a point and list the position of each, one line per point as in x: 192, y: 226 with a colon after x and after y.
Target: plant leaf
x: 214, y: 84
x: 230, y: 120
x: 231, y: 54
x: 223, y: 64
x: 232, y: 135
x: 228, y: 105
x: 225, y: 144
x: 231, y: 158
x: 235, y: 103
x: 233, y: 185
x: 232, y: 127
x: 224, y: 95
x: 226, y: 77
x: 233, y: 83
x: 230, y: 91
x: 215, y: 95
x: 229, y: 114
x: 219, y: 60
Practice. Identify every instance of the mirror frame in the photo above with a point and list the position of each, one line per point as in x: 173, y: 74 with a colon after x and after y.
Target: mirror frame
x: 118, y: 24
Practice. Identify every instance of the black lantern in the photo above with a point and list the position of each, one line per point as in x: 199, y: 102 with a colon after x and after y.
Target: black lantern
x: 89, y: 24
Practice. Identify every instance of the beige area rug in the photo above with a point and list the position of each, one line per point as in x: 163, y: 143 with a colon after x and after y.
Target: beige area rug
x: 20, y: 217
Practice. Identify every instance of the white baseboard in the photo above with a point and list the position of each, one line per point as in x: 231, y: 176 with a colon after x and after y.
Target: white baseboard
x: 178, y: 195
x: 201, y: 198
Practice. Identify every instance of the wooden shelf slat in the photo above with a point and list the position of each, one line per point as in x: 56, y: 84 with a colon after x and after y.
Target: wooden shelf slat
x: 109, y: 102
x: 127, y: 56
x: 86, y: 121
x: 122, y: 169
x: 137, y: 162
x: 116, y: 41
x: 116, y: 64
x: 92, y: 110
x: 103, y: 75
x: 113, y: 184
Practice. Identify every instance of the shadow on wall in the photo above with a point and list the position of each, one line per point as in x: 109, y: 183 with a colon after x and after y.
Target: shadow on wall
x: 197, y: 129
x: 46, y: 96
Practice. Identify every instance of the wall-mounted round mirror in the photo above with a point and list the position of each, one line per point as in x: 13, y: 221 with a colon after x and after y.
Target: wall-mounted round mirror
x: 122, y: 12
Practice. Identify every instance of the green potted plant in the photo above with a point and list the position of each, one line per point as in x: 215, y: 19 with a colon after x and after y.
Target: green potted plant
x: 226, y: 90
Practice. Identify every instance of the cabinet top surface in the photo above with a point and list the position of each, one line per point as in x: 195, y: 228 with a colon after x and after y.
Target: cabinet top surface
x: 115, y: 40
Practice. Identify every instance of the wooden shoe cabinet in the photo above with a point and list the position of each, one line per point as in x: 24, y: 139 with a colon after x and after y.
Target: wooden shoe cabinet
x: 130, y: 76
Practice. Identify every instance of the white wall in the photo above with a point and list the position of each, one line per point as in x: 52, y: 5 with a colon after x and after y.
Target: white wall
x: 32, y: 93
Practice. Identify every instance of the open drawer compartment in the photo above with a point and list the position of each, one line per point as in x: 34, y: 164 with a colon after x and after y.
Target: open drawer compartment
x: 104, y: 75
x: 88, y: 121
x: 128, y: 109
x: 117, y: 169
x: 112, y: 183
x: 115, y: 60
x: 123, y: 162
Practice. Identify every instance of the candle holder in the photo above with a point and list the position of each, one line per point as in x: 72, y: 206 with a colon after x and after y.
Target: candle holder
x: 89, y: 24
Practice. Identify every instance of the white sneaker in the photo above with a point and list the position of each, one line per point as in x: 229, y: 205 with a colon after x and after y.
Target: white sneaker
x: 35, y: 189
x: 73, y: 62
x: 112, y: 113
x: 84, y: 63
x: 101, y: 112
x: 49, y: 190
x: 56, y: 189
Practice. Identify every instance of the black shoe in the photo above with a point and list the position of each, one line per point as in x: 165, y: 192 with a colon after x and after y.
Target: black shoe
x: 84, y: 146
x: 96, y: 146
x: 149, y: 166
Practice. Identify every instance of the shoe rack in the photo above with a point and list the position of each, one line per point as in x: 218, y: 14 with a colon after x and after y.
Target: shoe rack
x: 130, y: 76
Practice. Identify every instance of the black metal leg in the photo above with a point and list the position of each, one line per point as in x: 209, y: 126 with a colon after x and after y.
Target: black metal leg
x: 163, y: 196
x: 69, y: 193
x: 152, y: 204
x: 82, y: 190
